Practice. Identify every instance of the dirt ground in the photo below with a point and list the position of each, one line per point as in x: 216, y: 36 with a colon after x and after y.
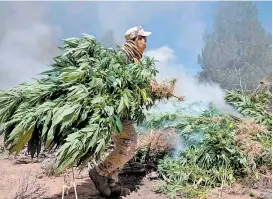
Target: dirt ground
x: 12, y: 175
x: 24, y: 178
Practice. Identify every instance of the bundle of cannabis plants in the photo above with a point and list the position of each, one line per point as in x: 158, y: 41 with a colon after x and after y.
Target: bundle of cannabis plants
x: 214, y: 151
x: 252, y: 105
x: 78, y: 104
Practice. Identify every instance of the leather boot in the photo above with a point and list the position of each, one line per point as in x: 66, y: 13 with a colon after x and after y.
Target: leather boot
x: 118, y: 190
x: 101, y: 182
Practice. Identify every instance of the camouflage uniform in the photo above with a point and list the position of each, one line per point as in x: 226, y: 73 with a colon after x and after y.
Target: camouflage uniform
x: 125, y: 148
x: 125, y: 143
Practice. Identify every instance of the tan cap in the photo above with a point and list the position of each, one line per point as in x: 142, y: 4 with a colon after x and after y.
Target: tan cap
x: 136, y: 31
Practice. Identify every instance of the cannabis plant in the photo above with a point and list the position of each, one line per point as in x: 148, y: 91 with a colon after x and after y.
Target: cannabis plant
x: 252, y: 105
x: 78, y: 103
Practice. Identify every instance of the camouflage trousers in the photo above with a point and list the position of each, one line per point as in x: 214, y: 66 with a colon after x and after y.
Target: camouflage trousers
x: 125, y: 147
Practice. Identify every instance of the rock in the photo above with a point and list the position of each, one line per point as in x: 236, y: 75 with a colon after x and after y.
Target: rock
x: 49, y: 166
x: 40, y: 176
x: 152, y: 175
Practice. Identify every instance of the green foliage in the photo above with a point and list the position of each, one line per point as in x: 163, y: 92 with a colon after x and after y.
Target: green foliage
x: 79, y: 103
x: 190, y: 180
x: 265, y: 158
x: 237, y: 53
x: 211, y: 157
x: 253, y: 106
x: 214, y: 161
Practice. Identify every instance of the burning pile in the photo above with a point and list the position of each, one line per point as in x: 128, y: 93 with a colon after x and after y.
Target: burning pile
x: 218, y: 149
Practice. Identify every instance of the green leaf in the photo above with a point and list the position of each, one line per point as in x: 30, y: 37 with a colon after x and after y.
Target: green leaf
x: 21, y: 141
x: 144, y: 96
x: 100, y: 146
x: 94, y: 139
x: 118, y: 124
x: 97, y: 100
x: 126, y: 100
x: 118, y: 82
x: 121, y: 105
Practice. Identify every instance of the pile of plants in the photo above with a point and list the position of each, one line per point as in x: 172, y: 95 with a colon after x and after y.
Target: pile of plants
x: 253, y: 105
x: 217, y: 149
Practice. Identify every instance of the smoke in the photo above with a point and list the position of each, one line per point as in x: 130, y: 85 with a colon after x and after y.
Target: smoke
x: 187, y: 85
x: 26, y: 42
x: 179, y: 146
x: 108, y: 40
x: 29, y: 30
x: 198, y: 96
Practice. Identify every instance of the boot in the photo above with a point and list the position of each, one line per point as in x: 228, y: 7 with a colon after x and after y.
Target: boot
x: 117, y: 190
x: 101, y: 182
x: 115, y: 186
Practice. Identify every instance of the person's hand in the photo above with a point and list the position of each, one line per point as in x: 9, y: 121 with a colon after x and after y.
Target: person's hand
x: 154, y: 86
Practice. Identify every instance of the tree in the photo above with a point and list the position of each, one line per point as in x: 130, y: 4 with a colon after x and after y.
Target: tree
x: 237, y: 53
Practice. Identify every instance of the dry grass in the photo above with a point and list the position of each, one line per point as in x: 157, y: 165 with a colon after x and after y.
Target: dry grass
x: 264, y: 84
x: 165, y: 89
x: 158, y: 140
x: 29, y: 188
x: 245, y: 138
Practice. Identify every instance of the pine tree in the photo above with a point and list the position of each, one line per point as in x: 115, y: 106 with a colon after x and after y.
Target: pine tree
x: 237, y: 53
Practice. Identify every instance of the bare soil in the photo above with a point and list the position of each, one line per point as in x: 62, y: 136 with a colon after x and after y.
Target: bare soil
x: 24, y: 180
x: 13, y: 174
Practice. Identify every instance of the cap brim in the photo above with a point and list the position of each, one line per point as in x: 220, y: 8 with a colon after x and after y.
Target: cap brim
x: 146, y: 34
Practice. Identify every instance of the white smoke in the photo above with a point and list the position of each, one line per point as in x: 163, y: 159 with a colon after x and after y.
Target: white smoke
x: 27, y: 42
x: 179, y: 146
x: 187, y: 85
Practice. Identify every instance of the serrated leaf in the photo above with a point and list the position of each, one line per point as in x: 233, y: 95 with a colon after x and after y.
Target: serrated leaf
x: 100, y: 146
x: 126, y: 100
x: 143, y: 94
x: 118, y: 124
x: 121, y: 105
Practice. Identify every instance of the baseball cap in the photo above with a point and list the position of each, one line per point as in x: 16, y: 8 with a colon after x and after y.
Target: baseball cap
x: 136, y: 31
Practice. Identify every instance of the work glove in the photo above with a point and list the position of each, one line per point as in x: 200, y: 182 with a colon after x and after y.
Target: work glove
x: 153, y: 86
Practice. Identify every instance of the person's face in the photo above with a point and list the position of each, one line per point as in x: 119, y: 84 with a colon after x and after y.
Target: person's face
x: 141, y: 43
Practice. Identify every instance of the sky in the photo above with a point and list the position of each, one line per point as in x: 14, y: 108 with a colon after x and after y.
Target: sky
x: 30, y: 31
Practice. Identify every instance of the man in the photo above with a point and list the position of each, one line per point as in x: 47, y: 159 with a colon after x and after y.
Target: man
x: 105, y: 174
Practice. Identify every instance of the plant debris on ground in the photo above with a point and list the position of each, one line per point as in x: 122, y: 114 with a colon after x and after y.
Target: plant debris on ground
x: 219, y: 150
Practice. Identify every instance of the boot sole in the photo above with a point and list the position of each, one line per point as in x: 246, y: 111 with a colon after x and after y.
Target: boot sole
x: 119, y: 191
x: 93, y: 176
